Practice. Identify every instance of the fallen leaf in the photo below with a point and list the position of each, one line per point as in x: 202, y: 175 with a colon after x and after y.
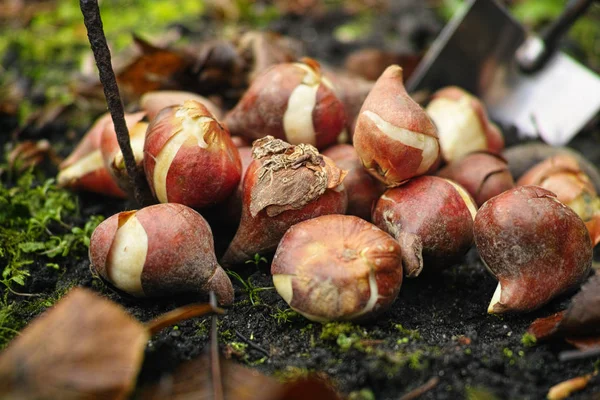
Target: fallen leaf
x: 193, y: 381
x: 581, y: 318
x: 153, y: 69
x: 84, y: 347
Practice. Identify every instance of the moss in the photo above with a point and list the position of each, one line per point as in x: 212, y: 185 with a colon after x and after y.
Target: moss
x: 226, y: 335
x: 291, y: 373
x: 479, y: 393
x: 33, y: 225
x: 202, y: 328
x: 332, y: 330
x: 528, y: 340
x: 347, y: 342
x: 407, y: 333
x: 363, y: 394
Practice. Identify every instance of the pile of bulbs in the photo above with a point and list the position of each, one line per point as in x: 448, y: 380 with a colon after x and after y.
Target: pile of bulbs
x: 287, y: 197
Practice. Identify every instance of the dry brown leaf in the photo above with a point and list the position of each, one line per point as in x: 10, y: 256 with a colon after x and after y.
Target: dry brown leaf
x: 581, y: 318
x: 153, y: 69
x: 193, y: 381
x: 84, y: 347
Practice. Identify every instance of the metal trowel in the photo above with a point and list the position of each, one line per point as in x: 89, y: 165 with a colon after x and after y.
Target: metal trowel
x: 520, y: 77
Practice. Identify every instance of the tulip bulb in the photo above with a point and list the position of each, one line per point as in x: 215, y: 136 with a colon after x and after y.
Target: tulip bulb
x: 483, y: 174
x: 189, y: 157
x: 563, y: 176
x: 432, y: 219
x: 284, y: 185
x: 462, y: 123
x: 534, y: 245
x: 292, y: 102
x: 112, y: 155
x: 84, y: 168
x: 363, y: 190
x: 337, y: 267
x: 394, y: 137
x: 160, y: 250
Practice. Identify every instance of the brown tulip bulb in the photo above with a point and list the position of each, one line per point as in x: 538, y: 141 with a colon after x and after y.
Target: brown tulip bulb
x: 284, y: 185
x: 462, y: 123
x: 394, y: 137
x: 432, y: 219
x: 363, y: 190
x: 484, y: 175
x: 534, y: 245
x: 337, y: 267
x: 153, y: 102
x: 292, y: 102
x: 563, y: 176
x: 189, y: 157
x: 112, y: 155
x: 84, y: 168
x: 160, y: 250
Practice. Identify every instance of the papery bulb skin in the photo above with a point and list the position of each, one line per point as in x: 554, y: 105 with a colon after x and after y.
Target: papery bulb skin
x: 189, y: 157
x: 394, y: 137
x: 462, y: 123
x: 292, y: 102
x: 535, y: 246
x: 563, y: 176
x: 284, y: 185
x: 337, y: 267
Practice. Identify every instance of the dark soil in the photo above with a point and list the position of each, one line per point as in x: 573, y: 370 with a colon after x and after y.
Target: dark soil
x: 445, y: 331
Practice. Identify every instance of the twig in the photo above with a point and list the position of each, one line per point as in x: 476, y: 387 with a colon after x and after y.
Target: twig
x: 215, y: 366
x: 421, y: 390
x: 180, y: 314
x: 578, y: 354
x: 93, y: 23
x: 252, y: 344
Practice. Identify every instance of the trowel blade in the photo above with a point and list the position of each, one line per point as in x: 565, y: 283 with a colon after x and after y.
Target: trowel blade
x: 476, y: 51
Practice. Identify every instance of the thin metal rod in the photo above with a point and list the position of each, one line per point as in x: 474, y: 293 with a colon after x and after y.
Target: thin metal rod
x: 95, y: 30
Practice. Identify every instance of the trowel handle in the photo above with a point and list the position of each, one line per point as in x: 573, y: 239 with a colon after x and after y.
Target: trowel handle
x: 532, y: 60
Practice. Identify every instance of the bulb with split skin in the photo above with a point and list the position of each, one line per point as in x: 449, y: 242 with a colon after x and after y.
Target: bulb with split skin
x: 394, y: 137
x: 284, y: 185
x: 189, y: 157
x: 160, y: 250
x: 562, y: 175
x: 535, y: 246
x: 84, y: 168
x: 432, y: 219
x: 462, y: 123
x: 292, y: 102
x: 337, y: 267
x: 112, y: 156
